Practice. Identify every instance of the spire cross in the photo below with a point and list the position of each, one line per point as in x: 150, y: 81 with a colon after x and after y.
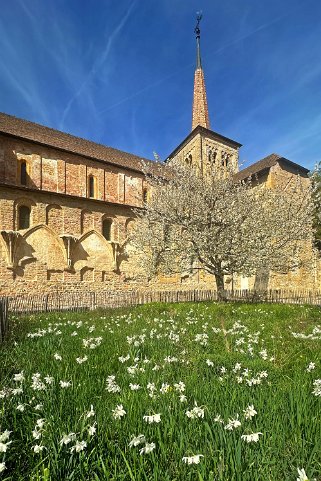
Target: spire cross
x: 200, y: 108
x: 197, y: 28
x: 198, y: 36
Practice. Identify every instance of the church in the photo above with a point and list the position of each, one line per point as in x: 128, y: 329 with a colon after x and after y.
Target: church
x: 67, y: 205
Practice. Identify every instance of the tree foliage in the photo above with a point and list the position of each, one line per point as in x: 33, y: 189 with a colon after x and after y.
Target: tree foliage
x: 224, y: 226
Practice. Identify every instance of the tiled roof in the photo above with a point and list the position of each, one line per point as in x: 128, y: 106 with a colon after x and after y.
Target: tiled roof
x: 54, y: 138
x: 267, y: 163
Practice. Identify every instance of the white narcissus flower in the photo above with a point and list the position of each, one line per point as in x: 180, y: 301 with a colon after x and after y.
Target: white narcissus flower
x: 118, y: 412
x: 67, y: 438
x: 137, y: 440
x: 91, y: 412
x: 65, y: 384
x: 92, y: 429
x: 3, y: 447
x: 19, y: 377
x: 4, y: 436
x: 57, y: 356
x: 153, y: 418
x: 2, y: 467
x: 79, y: 446
x: 134, y: 387
x: 302, y: 475
x: 36, y: 434
x: 37, y: 448
x: 49, y: 379
x: 310, y: 367
x: 80, y: 360
x: 196, y: 412
x: 148, y: 448
x: 40, y: 423
x: 251, y: 438
x: 195, y: 459
x: 317, y: 387
x: 249, y: 412
x: 232, y: 424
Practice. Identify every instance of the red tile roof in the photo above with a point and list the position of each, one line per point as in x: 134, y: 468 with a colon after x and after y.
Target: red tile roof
x: 31, y: 131
x: 267, y: 163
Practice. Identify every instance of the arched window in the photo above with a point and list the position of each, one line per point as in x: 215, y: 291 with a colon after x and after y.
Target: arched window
x: 188, y: 160
x: 91, y: 186
x: 23, y: 173
x: 106, y: 229
x: 23, y: 217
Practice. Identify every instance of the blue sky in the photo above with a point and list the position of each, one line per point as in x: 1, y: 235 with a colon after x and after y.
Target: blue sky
x: 121, y: 72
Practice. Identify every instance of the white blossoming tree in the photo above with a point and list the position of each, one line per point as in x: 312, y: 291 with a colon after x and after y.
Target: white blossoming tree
x: 221, y: 225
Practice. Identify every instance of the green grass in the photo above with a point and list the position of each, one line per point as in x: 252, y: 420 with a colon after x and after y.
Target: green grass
x: 259, y: 337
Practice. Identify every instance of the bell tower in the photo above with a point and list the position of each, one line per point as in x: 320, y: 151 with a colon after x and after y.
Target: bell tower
x: 204, y: 149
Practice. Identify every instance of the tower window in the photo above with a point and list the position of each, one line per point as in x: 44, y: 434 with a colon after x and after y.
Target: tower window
x: 23, y: 217
x: 188, y: 160
x: 91, y: 186
x: 106, y: 229
x: 23, y: 173
x: 145, y: 195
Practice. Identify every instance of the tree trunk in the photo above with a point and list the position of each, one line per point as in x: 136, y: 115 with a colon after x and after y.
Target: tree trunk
x: 219, y: 278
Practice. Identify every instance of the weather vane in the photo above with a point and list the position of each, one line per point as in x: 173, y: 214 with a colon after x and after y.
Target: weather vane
x: 197, y: 28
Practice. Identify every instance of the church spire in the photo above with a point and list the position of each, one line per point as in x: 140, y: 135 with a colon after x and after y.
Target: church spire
x: 200, y: 109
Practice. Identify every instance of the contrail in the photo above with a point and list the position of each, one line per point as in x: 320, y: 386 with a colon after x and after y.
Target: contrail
x: 178, y: 72
x: 97, y: 63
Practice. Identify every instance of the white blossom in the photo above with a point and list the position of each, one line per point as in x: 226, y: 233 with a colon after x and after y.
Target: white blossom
x: 38, y: 448
x: 302, y: 475
x: 118, y: 412
x: 79, y: 446
x: 251, y: 227
x: 196, y: 412
x: 5, y: 436
x: 67, y: 438
x: 310, y: 367
x: 137, y: 440
x: 148, y: 448
x: 249, y: 412
x: 232, y: 424
x: 19, y: 377
x: 195, y: 459
x: 153, y: 418
x: 92, y: 429
x: 251, y: 438
x: 3, y: 446
x: 65, y: 384
x: 91, y: 412
x: 317, y: 387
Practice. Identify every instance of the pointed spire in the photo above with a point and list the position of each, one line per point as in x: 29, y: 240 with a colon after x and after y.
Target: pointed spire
x: 200, y: 108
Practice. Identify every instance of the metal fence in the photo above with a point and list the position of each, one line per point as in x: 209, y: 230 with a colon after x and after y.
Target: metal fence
x: 83, y: 301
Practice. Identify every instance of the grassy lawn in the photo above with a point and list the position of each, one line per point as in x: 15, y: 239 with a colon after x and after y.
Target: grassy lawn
x: 138, y: 394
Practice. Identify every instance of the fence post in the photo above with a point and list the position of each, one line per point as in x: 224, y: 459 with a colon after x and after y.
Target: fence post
x: 46, y: 302
x: 1, y: 321
x: 3, y: 318
x: 93, y: 301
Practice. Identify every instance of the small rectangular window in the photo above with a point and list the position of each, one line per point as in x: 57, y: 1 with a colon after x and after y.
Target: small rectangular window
x: 91, y: 186
x: 23, y: 173
x: 23, y: 217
